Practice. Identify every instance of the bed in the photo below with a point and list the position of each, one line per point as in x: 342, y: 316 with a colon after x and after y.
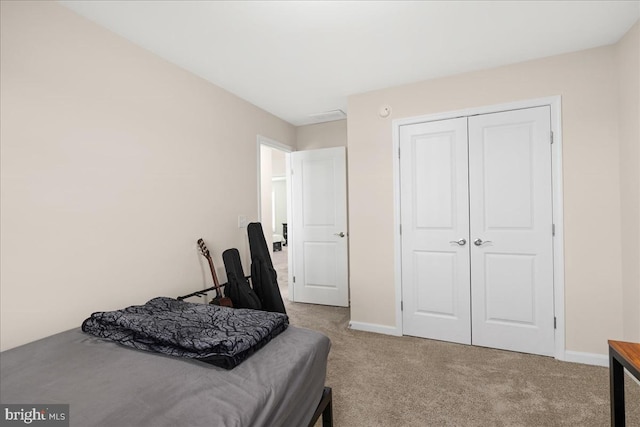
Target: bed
x: 107, y: 384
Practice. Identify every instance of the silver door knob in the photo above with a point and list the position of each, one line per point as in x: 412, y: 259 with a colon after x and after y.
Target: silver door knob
x: 340, y: 234
x: 480, y: 242
x: 460, y: 242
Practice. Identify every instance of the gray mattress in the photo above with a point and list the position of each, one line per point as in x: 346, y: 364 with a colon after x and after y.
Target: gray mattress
x: 106, y: 384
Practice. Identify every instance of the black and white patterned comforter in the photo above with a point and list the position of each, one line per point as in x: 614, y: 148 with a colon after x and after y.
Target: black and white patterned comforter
x: 217, y: 335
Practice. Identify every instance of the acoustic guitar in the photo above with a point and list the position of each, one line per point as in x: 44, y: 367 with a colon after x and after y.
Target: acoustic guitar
x: 219, y: 299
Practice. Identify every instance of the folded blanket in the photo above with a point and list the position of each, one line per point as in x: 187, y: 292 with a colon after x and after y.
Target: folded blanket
x: 221, y: 336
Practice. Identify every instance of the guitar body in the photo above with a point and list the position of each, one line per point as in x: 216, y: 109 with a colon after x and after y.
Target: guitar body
x: 222, y: 301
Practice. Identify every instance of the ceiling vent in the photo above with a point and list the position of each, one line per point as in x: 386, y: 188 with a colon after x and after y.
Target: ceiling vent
x: 328, y: 116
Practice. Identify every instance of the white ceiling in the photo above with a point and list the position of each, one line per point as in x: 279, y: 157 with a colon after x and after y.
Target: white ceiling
x: 297, y: 58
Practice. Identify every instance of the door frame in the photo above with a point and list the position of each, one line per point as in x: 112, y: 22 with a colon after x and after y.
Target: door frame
x: 267, y: 142
x: 555, y: 103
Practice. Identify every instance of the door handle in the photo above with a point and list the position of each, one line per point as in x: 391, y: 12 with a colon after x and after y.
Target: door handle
x: 479, y: 242
x: 460, y: 242
x: 340, y: 234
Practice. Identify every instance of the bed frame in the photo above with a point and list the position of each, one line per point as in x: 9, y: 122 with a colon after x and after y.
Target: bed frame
x: 325, y: 408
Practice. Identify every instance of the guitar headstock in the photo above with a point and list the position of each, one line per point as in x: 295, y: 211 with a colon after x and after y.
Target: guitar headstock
x: 203, y: 248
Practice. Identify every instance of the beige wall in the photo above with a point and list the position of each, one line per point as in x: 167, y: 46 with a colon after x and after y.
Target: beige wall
x: 113, y: 163
x: 322, y: 135
x: 628, y: 64
x: 587, y: 82
x: 278, y: 163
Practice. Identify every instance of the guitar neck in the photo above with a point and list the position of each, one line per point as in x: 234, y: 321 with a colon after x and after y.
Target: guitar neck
x: 215, y: 276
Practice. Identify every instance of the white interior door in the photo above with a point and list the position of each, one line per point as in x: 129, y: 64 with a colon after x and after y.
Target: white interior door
x: 511, y: 213
x: 476, y: 215
x: 435, y: 230
x: 319, y: 236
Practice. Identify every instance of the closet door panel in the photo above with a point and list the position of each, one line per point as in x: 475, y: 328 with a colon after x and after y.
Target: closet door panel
x: 511, y: 230
x: 435, y: 230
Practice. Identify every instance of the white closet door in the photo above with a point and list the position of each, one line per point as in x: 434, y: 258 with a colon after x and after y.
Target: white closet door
x: 511, y: 230
x: 435, y: 217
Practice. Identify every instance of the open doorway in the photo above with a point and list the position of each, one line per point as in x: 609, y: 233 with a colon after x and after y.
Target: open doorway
x: 274, y: 206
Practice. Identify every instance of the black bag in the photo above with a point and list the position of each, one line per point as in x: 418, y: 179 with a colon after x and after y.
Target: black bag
x: 238, y: 288
x: 263, y: 275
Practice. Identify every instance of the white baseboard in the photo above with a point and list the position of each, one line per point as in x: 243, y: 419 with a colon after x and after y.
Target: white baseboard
x: 593, y: 359
x: 372, y: 327
x: 587, y: 358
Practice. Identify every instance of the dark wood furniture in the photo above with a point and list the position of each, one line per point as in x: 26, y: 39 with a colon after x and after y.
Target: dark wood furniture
x: 621, y: 355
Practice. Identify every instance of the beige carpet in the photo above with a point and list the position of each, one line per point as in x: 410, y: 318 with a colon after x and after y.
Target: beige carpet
x: 380, y: 380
